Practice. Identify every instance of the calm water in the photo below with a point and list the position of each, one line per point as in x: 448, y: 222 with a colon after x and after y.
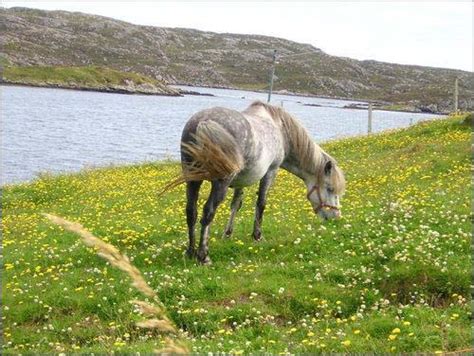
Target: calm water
x: 54, y: 130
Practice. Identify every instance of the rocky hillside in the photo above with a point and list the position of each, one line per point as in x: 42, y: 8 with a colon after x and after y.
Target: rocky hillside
x: 57, y: 38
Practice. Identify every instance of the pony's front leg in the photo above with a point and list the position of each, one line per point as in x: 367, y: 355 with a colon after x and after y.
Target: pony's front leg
x: 218, y: 192
x: 263, y: 188
x: 192, y: 194
x: 235, y: 206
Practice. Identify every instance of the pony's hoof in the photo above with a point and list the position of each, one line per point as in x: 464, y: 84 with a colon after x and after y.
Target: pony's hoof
x: 203, y: 258
x: 227, y: 233
x: 190, y: 253
x: 258, y: 237
x: 206, y: 261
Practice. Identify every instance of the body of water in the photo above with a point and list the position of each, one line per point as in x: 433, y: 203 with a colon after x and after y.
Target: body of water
x: 55, y: 130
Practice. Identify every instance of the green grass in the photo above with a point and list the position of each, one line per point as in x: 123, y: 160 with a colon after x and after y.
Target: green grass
x: 87, y: 77
x: 393, y: 275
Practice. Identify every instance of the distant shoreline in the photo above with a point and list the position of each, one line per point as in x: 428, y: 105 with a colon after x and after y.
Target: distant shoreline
x: 279, y: 92
x: 378, y: 106
x: 84, y: 88
x: 98, y: 90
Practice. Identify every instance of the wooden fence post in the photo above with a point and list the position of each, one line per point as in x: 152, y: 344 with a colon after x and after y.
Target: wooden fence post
x: 369, y: 123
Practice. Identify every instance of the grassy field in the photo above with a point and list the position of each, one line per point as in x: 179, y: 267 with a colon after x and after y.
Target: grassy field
x: 90, y: 77
x: 393, y: 275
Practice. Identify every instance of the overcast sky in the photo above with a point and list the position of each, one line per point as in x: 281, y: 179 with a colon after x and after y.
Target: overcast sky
x: 438, y: 34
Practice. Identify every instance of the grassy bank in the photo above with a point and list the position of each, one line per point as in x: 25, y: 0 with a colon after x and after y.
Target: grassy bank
x: 87, y: 78
x: 393, y: 275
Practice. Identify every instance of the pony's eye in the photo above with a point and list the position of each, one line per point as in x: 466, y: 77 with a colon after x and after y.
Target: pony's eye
x: 330, y: 190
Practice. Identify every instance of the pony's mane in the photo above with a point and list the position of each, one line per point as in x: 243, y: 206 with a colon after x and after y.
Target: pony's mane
x: 310, y: 156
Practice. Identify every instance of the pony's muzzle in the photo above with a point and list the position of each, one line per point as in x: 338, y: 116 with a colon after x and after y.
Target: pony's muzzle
x: 328, y: 214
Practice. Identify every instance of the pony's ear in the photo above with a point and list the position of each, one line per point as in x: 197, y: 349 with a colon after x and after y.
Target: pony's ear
x: 327, y: 167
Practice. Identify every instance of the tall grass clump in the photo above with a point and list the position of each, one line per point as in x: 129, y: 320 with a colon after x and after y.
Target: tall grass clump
x: 156, y: 311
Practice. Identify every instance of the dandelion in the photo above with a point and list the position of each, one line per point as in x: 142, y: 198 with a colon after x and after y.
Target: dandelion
x: 9, y: 266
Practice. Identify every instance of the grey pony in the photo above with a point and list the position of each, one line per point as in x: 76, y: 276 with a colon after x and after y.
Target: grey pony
x: 235, y: 149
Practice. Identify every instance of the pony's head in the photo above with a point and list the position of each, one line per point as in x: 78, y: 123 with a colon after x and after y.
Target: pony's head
x: 325, y: 190
x: 324, y: 179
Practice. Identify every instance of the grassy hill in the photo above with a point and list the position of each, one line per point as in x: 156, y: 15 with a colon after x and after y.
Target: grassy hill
x: 86, y: 78
x: 33, y: 37
x: 393, y: 275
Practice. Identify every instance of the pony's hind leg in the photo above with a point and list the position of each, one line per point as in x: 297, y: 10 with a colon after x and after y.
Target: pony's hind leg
x: 235, y: 206
x: 218, y: 192
x: 192, y: 194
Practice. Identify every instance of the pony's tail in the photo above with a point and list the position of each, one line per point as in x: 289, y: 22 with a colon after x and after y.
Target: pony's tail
x: 214, y: 154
